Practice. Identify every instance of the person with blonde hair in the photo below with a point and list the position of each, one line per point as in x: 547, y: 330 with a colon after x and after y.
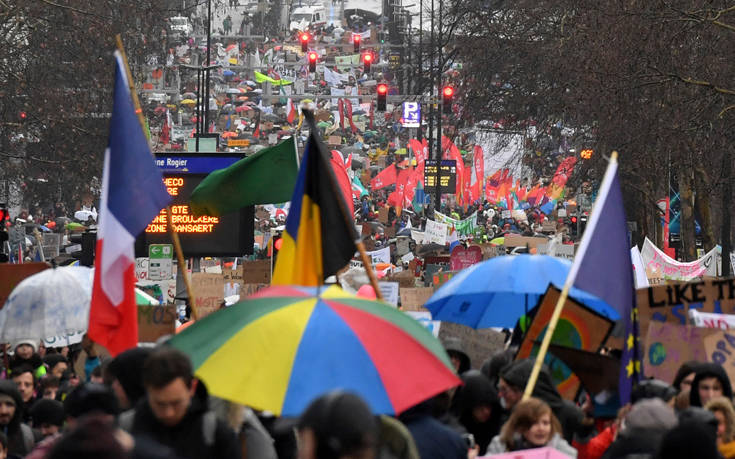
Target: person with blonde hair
x: 725, y: 414
x: 531, y: 425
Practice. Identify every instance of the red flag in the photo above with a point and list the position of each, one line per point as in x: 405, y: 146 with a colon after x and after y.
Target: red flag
x: 166, y: 131
x: 384, y: 178
x: 396, y: 198
x: 343, y: 179
x: 564, y: 171
x: 290, y: 111
x: 478, y: 161
x: 341, y: 108
x: 348, y: 112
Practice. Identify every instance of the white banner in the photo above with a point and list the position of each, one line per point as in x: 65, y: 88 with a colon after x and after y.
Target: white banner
x: 712, y: 320
x: 435, y: 232
x: 666, y: 267
x: 639, y: 272
x: 380, y: 256
x: 464, y: 227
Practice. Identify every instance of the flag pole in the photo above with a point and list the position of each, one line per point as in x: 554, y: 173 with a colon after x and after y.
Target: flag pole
x: 174, y: 234
x: 554, y: 320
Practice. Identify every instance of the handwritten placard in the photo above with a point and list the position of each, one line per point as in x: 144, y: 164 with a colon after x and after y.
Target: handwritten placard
x: 462, y: 257
x: 155, y: 322
x: 233, y: 275
x: 256, y: 272
x: 436, y: 232
x: 413, y: 299
x: 209, y: 292
x: 720, y: 349
x: 669, y: 345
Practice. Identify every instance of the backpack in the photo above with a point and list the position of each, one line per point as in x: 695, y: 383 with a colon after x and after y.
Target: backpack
x: 209, y: 425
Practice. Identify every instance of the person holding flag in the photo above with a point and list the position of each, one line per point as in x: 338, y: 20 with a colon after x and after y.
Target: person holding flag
x: 133, y: 193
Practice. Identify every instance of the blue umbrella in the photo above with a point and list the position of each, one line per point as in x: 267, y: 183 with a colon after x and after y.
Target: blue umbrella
x: 497, y: 292
x: 228, y: 73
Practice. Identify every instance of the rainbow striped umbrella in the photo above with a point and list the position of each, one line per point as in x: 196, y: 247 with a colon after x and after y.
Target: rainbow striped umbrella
x: 285, y: 346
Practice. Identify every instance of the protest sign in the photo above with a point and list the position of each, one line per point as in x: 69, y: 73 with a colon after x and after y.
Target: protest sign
x: 64, y: 340
x: 671, y: 302
x: 720, y: 348
x: 402, y: 246
x: 380, y: 255
x: 209, y: 292
x: 251, y: 289
x: 462, y: 257
x: 233, y: 275
x: 711, y: 320
x: 413, y: 299
x: 516, y: 240
x: 155, y: 322
x: 404, y: 278
x: 383, y: 215
x: 256, y: 272
x: 435, y: 232
x: 418, y: 236
x: 334, y: 140
x: 479, y: 345
x: 657, y: 261
x: 12, y: 275
x: 440, y: 278
x: 425, y: 319
x: 141, y: 268
x: 579, y: 327
x: 669, y: 345
x: 464, y: 227
x: 389, y: 291
x: 491, y: 251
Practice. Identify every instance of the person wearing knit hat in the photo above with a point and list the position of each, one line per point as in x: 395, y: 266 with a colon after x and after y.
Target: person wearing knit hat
x: 126, y: 376
x: 25, y: 352
x: 47, y: 416
x: 687, y: 440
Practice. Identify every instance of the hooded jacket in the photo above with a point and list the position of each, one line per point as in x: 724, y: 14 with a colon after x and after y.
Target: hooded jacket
x: 186, y: 438
x: 569, y: 415
x: 478, y: 391
x: 643, y: 429
x: 708, y: 370
x: 20, y: 436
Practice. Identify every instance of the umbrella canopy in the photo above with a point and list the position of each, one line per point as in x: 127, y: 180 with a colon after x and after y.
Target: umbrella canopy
x: 497, y: 292
x: 286, y: 346
x: 228, y: 73
x: 50, y: 303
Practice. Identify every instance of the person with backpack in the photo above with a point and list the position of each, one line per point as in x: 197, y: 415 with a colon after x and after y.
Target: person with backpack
x: 176, y: 411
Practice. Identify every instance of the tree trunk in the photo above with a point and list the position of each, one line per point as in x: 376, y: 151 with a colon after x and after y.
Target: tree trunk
x: 686, y: 195
x: 702, y: 204
x: 726, y: 206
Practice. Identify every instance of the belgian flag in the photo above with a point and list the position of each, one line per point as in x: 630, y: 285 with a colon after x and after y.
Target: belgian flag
x: 320, y: 236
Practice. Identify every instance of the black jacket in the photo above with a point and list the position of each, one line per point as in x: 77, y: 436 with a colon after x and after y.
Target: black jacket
x: 478, y: 391
x: 709, y: 370
x: 17, y: 446
x: 187, y: 438
x: 433, y: 439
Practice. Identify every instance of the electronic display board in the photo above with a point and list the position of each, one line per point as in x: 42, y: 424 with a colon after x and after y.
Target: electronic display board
x: 227, y: 235
x: 446, y: 170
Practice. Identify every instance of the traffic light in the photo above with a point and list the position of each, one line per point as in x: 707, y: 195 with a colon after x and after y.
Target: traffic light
x: 382, y: 93
x: 582, y: 224
x: 304, y: 37
x: 356, y: 41
x: 367, y: 60
x: 447, y: 97
x: 312, y: 61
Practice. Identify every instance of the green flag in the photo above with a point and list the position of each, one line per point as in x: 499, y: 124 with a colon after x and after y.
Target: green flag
x: 267, y: 177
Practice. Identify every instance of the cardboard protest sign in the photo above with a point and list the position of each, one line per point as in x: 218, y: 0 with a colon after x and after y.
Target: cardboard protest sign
x: 383, y: 215
x: 477, y: 344
x: 440, y: 278
x: 670, y: 302
x: 435, y: 232
x: 579, y: 327
x: 250, y: 289
x: 669, y: 345
x: 256, y: 272
x: 12, y: 275
x: 155, y: 322
x: 516, y: 240
x: 413, y: 299
x: 404, y: 278
x: 334, y: 140
x: 233, y: 275
x: 462, y: 257
x: 491, y: 251
x: 720, y: 348
x: 209, y: 292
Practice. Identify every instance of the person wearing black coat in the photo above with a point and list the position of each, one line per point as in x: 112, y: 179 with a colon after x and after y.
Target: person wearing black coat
x: 433, y: 439
x: 710, y: 381
x: 477, y: 407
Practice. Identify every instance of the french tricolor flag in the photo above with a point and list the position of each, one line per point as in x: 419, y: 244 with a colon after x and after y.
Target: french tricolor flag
x: 132, y: 195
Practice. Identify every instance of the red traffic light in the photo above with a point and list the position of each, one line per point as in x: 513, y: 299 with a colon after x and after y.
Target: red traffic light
x: 448, y: 91
x: 313, y: 56
x: 367, y: 57
x: 304, y: 37
x: 574, y: 219
x: 382, y: 89
x: 356, y: 38
x: 23, y: 115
